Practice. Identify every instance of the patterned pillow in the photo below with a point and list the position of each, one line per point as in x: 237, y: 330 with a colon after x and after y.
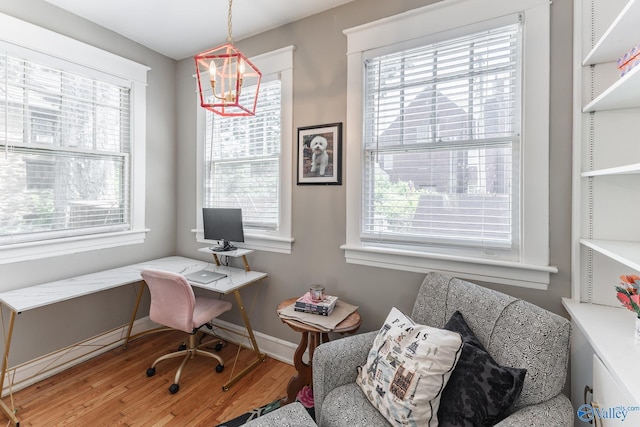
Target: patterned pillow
x: 480, y: 391
x: 407, y: 369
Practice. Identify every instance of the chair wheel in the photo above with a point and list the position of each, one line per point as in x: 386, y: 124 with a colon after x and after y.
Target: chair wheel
x: 218, y: 346
x: 219, y: 368
x: 151, y: 372
x: 173, y: 388
x: 182, y: 347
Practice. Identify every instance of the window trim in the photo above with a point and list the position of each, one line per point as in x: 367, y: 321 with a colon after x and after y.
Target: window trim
x: 17, y: 36
x: 276, y: 62
x: 532, y: 269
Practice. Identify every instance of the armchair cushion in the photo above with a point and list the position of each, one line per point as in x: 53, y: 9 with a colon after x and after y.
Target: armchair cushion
x: 479, y: 391
x: 407, y: 368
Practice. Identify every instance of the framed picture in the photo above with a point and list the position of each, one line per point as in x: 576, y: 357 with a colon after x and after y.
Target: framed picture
x: 320, y: 154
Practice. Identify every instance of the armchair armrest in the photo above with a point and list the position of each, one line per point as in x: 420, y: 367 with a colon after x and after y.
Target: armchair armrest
x: 335, y: 364
x: 556, y: 411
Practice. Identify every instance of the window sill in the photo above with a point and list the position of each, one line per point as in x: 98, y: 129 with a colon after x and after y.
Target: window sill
x: 70, y: 245
x: 485, y: 270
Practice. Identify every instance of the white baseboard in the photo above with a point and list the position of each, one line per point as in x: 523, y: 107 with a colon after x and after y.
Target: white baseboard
x: 36, y: 370
x: 28, y: 373
x: 271, y: 346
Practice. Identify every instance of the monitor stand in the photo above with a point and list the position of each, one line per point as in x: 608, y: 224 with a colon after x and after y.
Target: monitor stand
x: 225, y: 247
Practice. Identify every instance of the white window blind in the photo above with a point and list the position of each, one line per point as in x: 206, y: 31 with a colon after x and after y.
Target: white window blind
x: 65, y: 161
x: 242, y: 160
x: 442, y: 143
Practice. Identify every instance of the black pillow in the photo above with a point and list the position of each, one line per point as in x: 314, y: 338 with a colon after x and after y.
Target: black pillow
x: 479, y: 391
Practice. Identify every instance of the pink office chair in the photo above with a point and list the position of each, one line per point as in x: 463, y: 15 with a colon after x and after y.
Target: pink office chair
x: 174, y: 304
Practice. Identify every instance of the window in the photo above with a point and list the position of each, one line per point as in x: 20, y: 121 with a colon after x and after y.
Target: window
x: 245, y: 162
x: 441, y: 134
x: 67, y: 171
x: 242, y: 160
x: 441, y: 179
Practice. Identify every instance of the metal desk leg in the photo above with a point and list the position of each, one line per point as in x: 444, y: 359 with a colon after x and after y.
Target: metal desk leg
x: 5, y: 366
x: 135, y: 311
x: 133, y: 319
x: 259, y: 356
x: 246, y: 263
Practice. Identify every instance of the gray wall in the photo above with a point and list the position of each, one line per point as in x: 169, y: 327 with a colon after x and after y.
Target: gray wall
x: 320, y: 66
x: 52, y: 328
x: 318, y: 211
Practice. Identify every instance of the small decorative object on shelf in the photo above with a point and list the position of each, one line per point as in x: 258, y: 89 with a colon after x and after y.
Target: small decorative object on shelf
x: 629, y: 60
x: 317, y: 292
x: 629, y: 295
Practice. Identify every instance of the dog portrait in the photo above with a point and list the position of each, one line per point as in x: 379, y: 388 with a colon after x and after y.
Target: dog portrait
x: 319, y: 158
x: 319, y: 154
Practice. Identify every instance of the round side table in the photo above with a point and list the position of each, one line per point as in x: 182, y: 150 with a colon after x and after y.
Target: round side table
x: 311, y: 337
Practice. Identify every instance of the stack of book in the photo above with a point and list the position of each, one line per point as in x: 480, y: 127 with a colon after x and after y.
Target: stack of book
x: 307, y: 305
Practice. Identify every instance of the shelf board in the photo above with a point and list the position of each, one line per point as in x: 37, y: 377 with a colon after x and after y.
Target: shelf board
x: 622, y: 32
x: 627, y: 253
x: 234, y: 254
x: 624, y: 93
x: 620, y: 170
x: 609, y: 330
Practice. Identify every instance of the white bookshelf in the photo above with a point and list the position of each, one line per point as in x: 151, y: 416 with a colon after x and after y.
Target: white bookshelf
x: 605, y: 30
x: 606, y: 229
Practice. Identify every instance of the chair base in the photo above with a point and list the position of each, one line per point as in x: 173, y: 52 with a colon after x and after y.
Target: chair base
x: 187, y: 353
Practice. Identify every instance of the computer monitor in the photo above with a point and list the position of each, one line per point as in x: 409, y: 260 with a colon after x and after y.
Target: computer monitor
x: 224, y: 224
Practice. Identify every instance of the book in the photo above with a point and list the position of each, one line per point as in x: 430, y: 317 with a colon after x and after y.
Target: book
x: 319, y: 313
x: 306, y: 304
x: 314, y: 309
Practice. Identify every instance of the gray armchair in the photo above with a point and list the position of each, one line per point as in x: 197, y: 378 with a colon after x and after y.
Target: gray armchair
x: 515, y: 332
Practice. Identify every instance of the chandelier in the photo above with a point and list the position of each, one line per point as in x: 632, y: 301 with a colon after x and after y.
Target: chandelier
x: 226, y: 70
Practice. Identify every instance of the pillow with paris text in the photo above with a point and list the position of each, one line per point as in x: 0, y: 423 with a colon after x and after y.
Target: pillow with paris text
x: 407, y: 369
x: 480, y: 391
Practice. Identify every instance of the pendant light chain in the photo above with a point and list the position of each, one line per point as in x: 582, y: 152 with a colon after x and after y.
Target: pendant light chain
x: 229, y: 39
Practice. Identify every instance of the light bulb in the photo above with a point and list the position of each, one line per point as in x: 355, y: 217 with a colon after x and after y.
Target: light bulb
x: 212, y: 71
x: 241, y: 66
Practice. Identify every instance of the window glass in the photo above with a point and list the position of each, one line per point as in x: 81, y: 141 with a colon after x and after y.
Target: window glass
x: 441, y: 143
x: 65, y: 163
x: 242, y: 160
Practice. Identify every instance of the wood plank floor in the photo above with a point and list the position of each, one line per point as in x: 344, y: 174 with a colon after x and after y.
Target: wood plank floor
x: 113, y: 389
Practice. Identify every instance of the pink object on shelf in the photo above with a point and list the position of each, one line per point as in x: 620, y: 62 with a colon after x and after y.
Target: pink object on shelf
x: 629, y: 60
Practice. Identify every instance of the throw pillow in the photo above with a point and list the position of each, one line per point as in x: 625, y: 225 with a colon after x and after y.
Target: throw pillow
x: 480, y: 391
x: 407, y: 368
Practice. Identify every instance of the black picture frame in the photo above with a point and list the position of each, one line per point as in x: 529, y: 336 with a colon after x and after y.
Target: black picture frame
x: 320, y: 154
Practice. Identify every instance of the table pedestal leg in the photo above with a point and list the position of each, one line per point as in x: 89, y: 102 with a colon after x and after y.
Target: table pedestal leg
x: 304, y: 375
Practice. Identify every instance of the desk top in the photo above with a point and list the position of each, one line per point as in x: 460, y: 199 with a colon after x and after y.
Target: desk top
x: 31, y: 297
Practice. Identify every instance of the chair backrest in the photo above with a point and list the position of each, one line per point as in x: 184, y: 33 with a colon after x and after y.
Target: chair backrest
x: 515, y: 332
x: 172, y: 299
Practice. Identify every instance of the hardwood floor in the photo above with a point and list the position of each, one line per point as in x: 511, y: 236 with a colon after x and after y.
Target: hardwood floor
x: 113, y: 389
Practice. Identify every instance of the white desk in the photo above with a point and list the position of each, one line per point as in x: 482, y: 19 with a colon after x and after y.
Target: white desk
x: 21, y: 300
